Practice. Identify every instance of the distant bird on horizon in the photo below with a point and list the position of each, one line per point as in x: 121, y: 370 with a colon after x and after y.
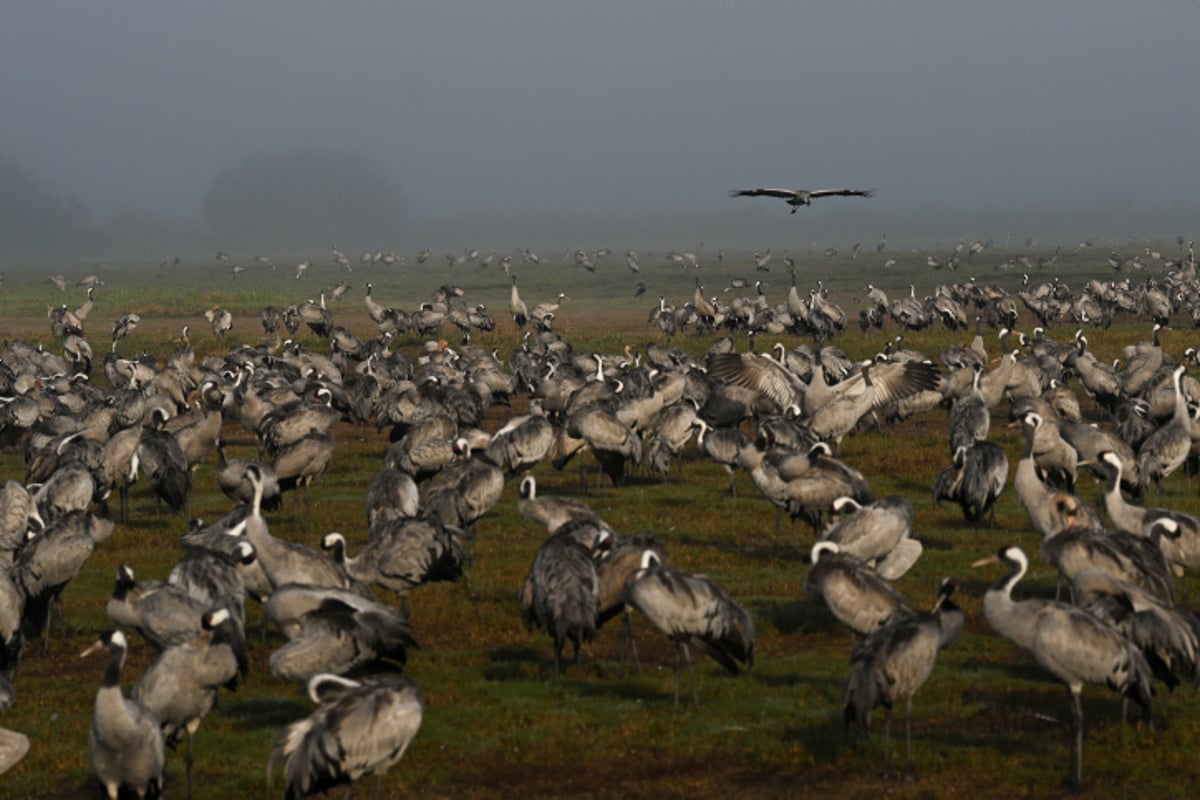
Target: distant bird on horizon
x: 640, y: 290
x: 801, y: 197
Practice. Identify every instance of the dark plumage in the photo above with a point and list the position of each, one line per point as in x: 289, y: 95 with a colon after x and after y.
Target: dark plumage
x: 561, y: 594
x: 801, y: 197
x: 896, y: 660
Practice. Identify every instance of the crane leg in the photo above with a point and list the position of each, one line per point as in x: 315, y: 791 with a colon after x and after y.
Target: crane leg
x: 677, y: 666
x: 1075, y: 775
x: 188, y: 762
x: 628, y: 640
x: 908, y: 734
x: 687, y: 654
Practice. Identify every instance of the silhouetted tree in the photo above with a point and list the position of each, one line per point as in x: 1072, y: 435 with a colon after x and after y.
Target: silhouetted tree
x: 305, y: 196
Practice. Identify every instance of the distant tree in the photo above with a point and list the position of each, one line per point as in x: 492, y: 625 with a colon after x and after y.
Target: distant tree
x: 34, y: 221
x: 303, y: 197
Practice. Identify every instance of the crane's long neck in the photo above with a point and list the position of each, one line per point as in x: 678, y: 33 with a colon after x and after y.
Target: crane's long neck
x: 1181, y: 410
x: 1123, y: 515
x: 1011, y: 619
x: 112, y: 673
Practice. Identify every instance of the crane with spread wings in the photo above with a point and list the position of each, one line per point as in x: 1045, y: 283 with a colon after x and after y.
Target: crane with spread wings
x: 801, y: 197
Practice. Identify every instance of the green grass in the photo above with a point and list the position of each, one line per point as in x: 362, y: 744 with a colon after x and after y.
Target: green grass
x: 989, y: 722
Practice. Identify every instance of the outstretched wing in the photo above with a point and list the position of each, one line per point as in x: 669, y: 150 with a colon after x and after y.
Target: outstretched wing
x: 785, y: 193
x: 841, y: 192
x: 757, y: 373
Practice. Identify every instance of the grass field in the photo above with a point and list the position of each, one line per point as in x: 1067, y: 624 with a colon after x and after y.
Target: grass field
x: 989, y: 723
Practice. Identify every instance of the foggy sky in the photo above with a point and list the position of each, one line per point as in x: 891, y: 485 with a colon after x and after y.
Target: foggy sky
x: 617, y: 107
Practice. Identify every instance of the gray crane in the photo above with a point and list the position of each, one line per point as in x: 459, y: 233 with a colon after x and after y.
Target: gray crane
x: 421, y: 458
x: 553, y: 512
x: 854, y: 593
x: 359, y: 728
x: 722, y: 445
x: 180, y: 687
x: 123, y: 326
x: 1071, y: 644
x: 879, y: 533
x: 870, y: 388
x: 165, y: 464
x: 522, y: 443
x: 970, y: 419
x: 805, y: 484
x: 358, y: 637
x: 71, y: 488
x: 316, y: 316
x: 284, y: 561
x: 1044, y: 505
x: 561, y: 594
x: 670, y: 432
x: 800, y: 197
x: 220, y: 319
x: 896, y: 660
x: 974, y: 480
x: 164, y: 613
x: 1165, y: 450
x: 300, y: 463
x: 120, y: 468
x: 392, y: 495
x: 614, y: 571
x: 13, y: 745
x: 691, y: 610
x: 463, y: 492
x: 288, y: 425
x: 1134, y: 558
x: 611, y: 441
x: 617, y: 565
x: 125, y: 741
x: 198, y: 439
x: 404, y: 554
x: 232, y: 480
x: 1181, y: 550
x: 517, y: 307
x: 50, y: 561
x: 213, y: 571
x: 1168, y: 636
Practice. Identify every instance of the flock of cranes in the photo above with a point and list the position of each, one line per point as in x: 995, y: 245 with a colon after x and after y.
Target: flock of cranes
x: 453, y: 447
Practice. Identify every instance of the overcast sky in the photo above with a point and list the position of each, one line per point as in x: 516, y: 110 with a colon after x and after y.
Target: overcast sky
x: 615, y: 106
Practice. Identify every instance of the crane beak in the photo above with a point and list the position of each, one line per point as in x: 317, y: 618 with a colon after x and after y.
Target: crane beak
x: 983, y: 562
x: 99, y: 645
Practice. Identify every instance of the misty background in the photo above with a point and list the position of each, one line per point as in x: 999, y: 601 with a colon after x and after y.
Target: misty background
x: 138, y: 129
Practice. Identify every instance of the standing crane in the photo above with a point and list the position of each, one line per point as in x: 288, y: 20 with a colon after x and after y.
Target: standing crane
x: 1071, y: 644
x: 855, y: 594
x: 180, y: 687
x: 691, y: 610
x: 359, y: 728
x: 561, y: 594
x: 125, y: 741
x: 896, y: 660
x: 516, y: 307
